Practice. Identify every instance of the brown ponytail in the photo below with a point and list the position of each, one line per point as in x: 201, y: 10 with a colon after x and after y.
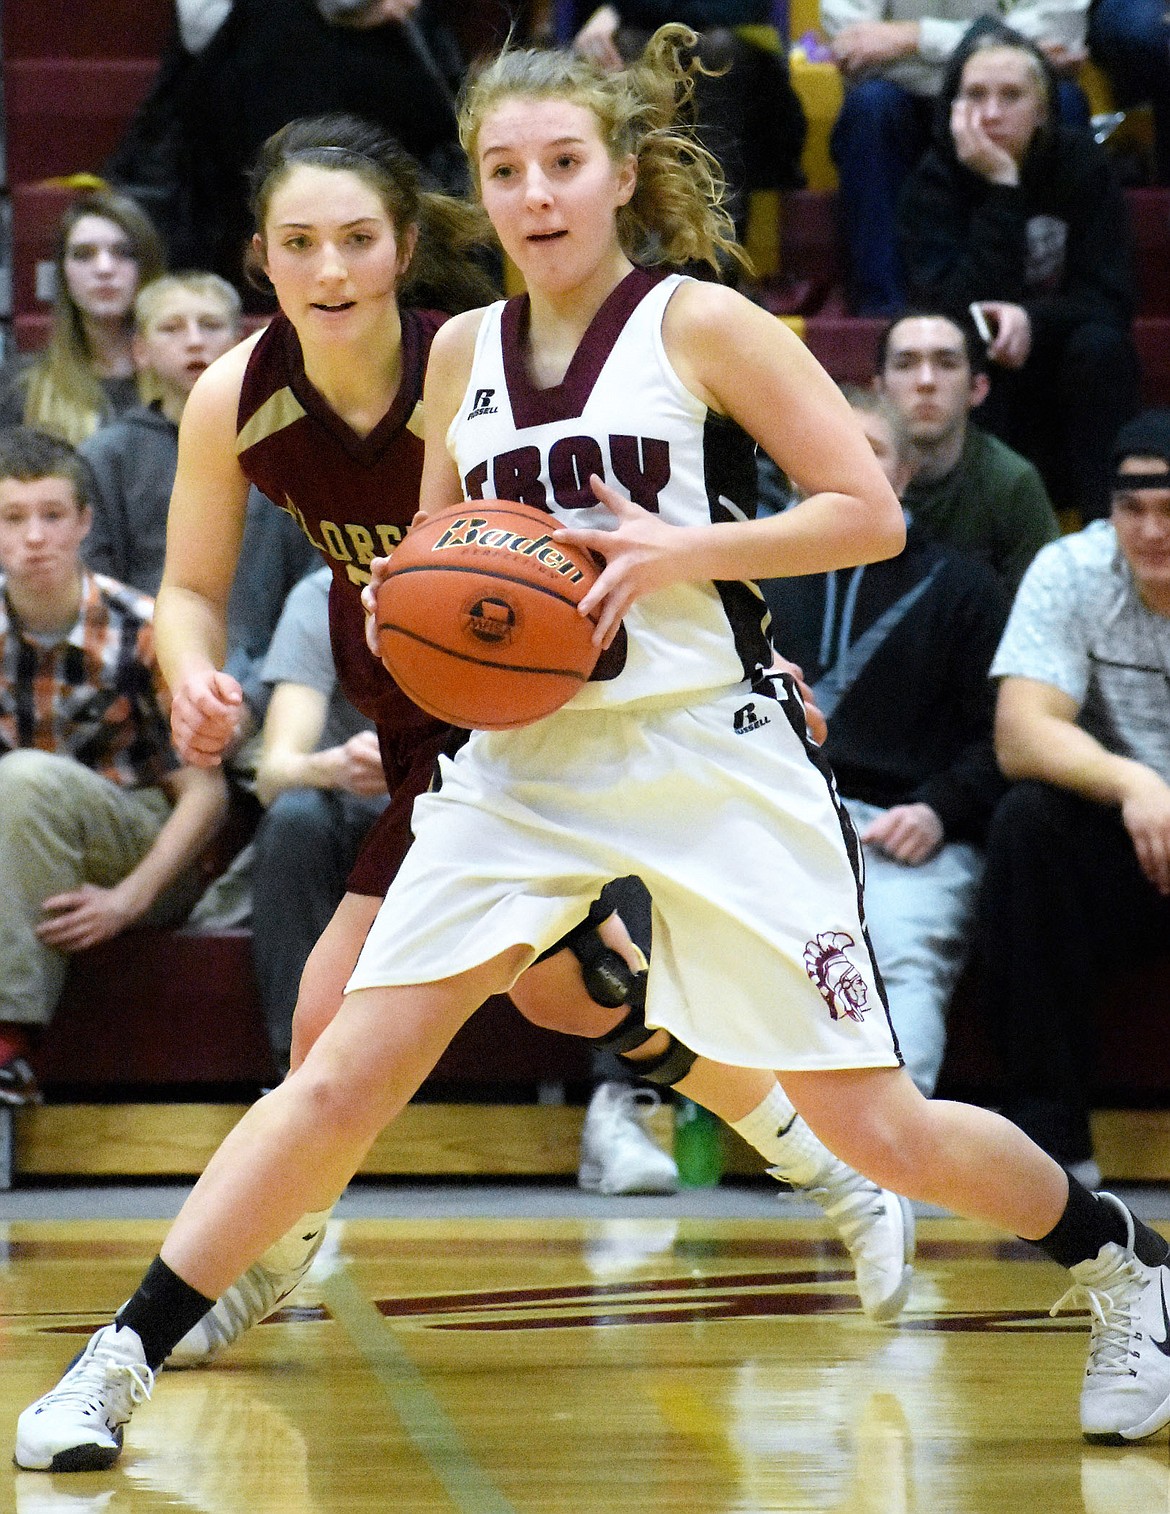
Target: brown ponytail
x: 449, y: 270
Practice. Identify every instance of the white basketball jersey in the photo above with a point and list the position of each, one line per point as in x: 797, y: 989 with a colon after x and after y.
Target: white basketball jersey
x: 621, y: 412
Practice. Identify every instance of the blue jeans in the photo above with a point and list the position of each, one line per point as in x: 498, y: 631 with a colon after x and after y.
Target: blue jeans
x: 879, y: 136
x: 920, y: 921
x: 1131, y: 41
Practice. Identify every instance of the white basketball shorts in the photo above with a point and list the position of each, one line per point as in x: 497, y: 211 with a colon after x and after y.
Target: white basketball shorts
x: 760, y: 957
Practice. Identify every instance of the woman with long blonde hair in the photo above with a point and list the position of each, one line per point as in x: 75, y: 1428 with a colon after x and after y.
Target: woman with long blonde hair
x: 106, y: 250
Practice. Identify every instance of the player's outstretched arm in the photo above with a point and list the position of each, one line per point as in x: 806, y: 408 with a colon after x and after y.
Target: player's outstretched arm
x: 205, y: 526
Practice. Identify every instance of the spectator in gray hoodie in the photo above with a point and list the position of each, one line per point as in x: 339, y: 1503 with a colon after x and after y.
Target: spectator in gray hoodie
x: 183, y: 322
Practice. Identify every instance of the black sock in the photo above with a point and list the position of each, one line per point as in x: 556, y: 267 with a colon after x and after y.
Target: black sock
x: 1090, y: 1222
x: 162, y: 1311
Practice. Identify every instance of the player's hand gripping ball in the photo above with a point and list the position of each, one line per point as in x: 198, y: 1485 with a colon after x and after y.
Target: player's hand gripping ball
x: 477, y: 618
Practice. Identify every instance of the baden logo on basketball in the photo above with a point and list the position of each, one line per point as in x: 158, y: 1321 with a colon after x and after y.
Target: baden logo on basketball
x: 476, y: 531
x: 479, y: 618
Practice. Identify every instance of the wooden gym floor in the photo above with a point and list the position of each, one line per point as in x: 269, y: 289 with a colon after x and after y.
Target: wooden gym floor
x: 677, y: 1364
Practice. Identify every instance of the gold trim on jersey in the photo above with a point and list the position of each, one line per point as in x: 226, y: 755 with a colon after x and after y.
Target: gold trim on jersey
x: 278, y: 411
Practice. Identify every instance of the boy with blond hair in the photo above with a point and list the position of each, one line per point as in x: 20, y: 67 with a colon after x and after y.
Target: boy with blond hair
x: 182, y: 323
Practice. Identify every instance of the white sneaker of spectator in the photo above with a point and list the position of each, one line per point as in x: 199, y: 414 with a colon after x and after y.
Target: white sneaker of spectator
x: 618, y: 1154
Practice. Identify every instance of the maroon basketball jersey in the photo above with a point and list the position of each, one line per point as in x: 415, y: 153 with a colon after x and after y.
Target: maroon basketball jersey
x: 353, y: 496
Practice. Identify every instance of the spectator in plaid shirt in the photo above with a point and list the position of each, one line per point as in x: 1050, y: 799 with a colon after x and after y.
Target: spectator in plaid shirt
x: 99, y: 824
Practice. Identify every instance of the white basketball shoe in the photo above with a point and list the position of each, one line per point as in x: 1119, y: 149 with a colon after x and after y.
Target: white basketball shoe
x: 876, y: 1226
x: 1125, y: 1394
x: 77, y: 1427
x: 258, y: 1293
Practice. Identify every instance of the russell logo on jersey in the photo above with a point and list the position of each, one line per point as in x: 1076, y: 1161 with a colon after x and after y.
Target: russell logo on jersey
x: 483, y: 404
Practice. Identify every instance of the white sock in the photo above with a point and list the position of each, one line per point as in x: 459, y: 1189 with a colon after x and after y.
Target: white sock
x: 776, y: 1131
x: 289, y: 1253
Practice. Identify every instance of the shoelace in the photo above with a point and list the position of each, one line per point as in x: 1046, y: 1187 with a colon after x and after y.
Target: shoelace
x: 80, y: 1386
x: 1109, y: 1348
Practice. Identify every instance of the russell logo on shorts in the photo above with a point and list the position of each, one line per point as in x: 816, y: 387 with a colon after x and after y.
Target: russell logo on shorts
x: 748, y: 719
x: 834, y: 977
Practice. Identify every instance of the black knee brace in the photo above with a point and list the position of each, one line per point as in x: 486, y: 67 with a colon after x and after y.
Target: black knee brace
x: 609, y: 978
x: 610, y: 981
x: 668, y: 1067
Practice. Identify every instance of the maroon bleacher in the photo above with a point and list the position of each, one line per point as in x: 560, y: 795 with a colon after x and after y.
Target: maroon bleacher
x: 844, y: 344
x: 65, y: 115
x: 73, y: 75
x: 73, y: 29
x: 1149, y: 212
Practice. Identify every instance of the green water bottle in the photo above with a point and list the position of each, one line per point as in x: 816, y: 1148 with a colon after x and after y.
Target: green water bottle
x: 698, y: 1145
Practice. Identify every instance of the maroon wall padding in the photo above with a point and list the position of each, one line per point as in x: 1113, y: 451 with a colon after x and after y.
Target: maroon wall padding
x: 81, y: 29
x: 159, y: 1008
x: 1131, y: 1061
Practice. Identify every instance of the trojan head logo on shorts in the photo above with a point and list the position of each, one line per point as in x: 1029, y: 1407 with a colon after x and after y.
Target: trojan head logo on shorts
x: 834, y: 977
x: 491, y: 619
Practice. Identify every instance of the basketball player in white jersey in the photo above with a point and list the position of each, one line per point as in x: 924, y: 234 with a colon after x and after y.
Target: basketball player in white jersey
x: 686, y: 766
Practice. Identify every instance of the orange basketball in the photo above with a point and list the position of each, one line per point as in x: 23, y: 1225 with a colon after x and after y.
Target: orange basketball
x: 478, y: 620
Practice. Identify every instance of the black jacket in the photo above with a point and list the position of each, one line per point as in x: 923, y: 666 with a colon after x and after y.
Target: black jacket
x: 186, y: 152
x: 964, y: 239
x: 915, y: 725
